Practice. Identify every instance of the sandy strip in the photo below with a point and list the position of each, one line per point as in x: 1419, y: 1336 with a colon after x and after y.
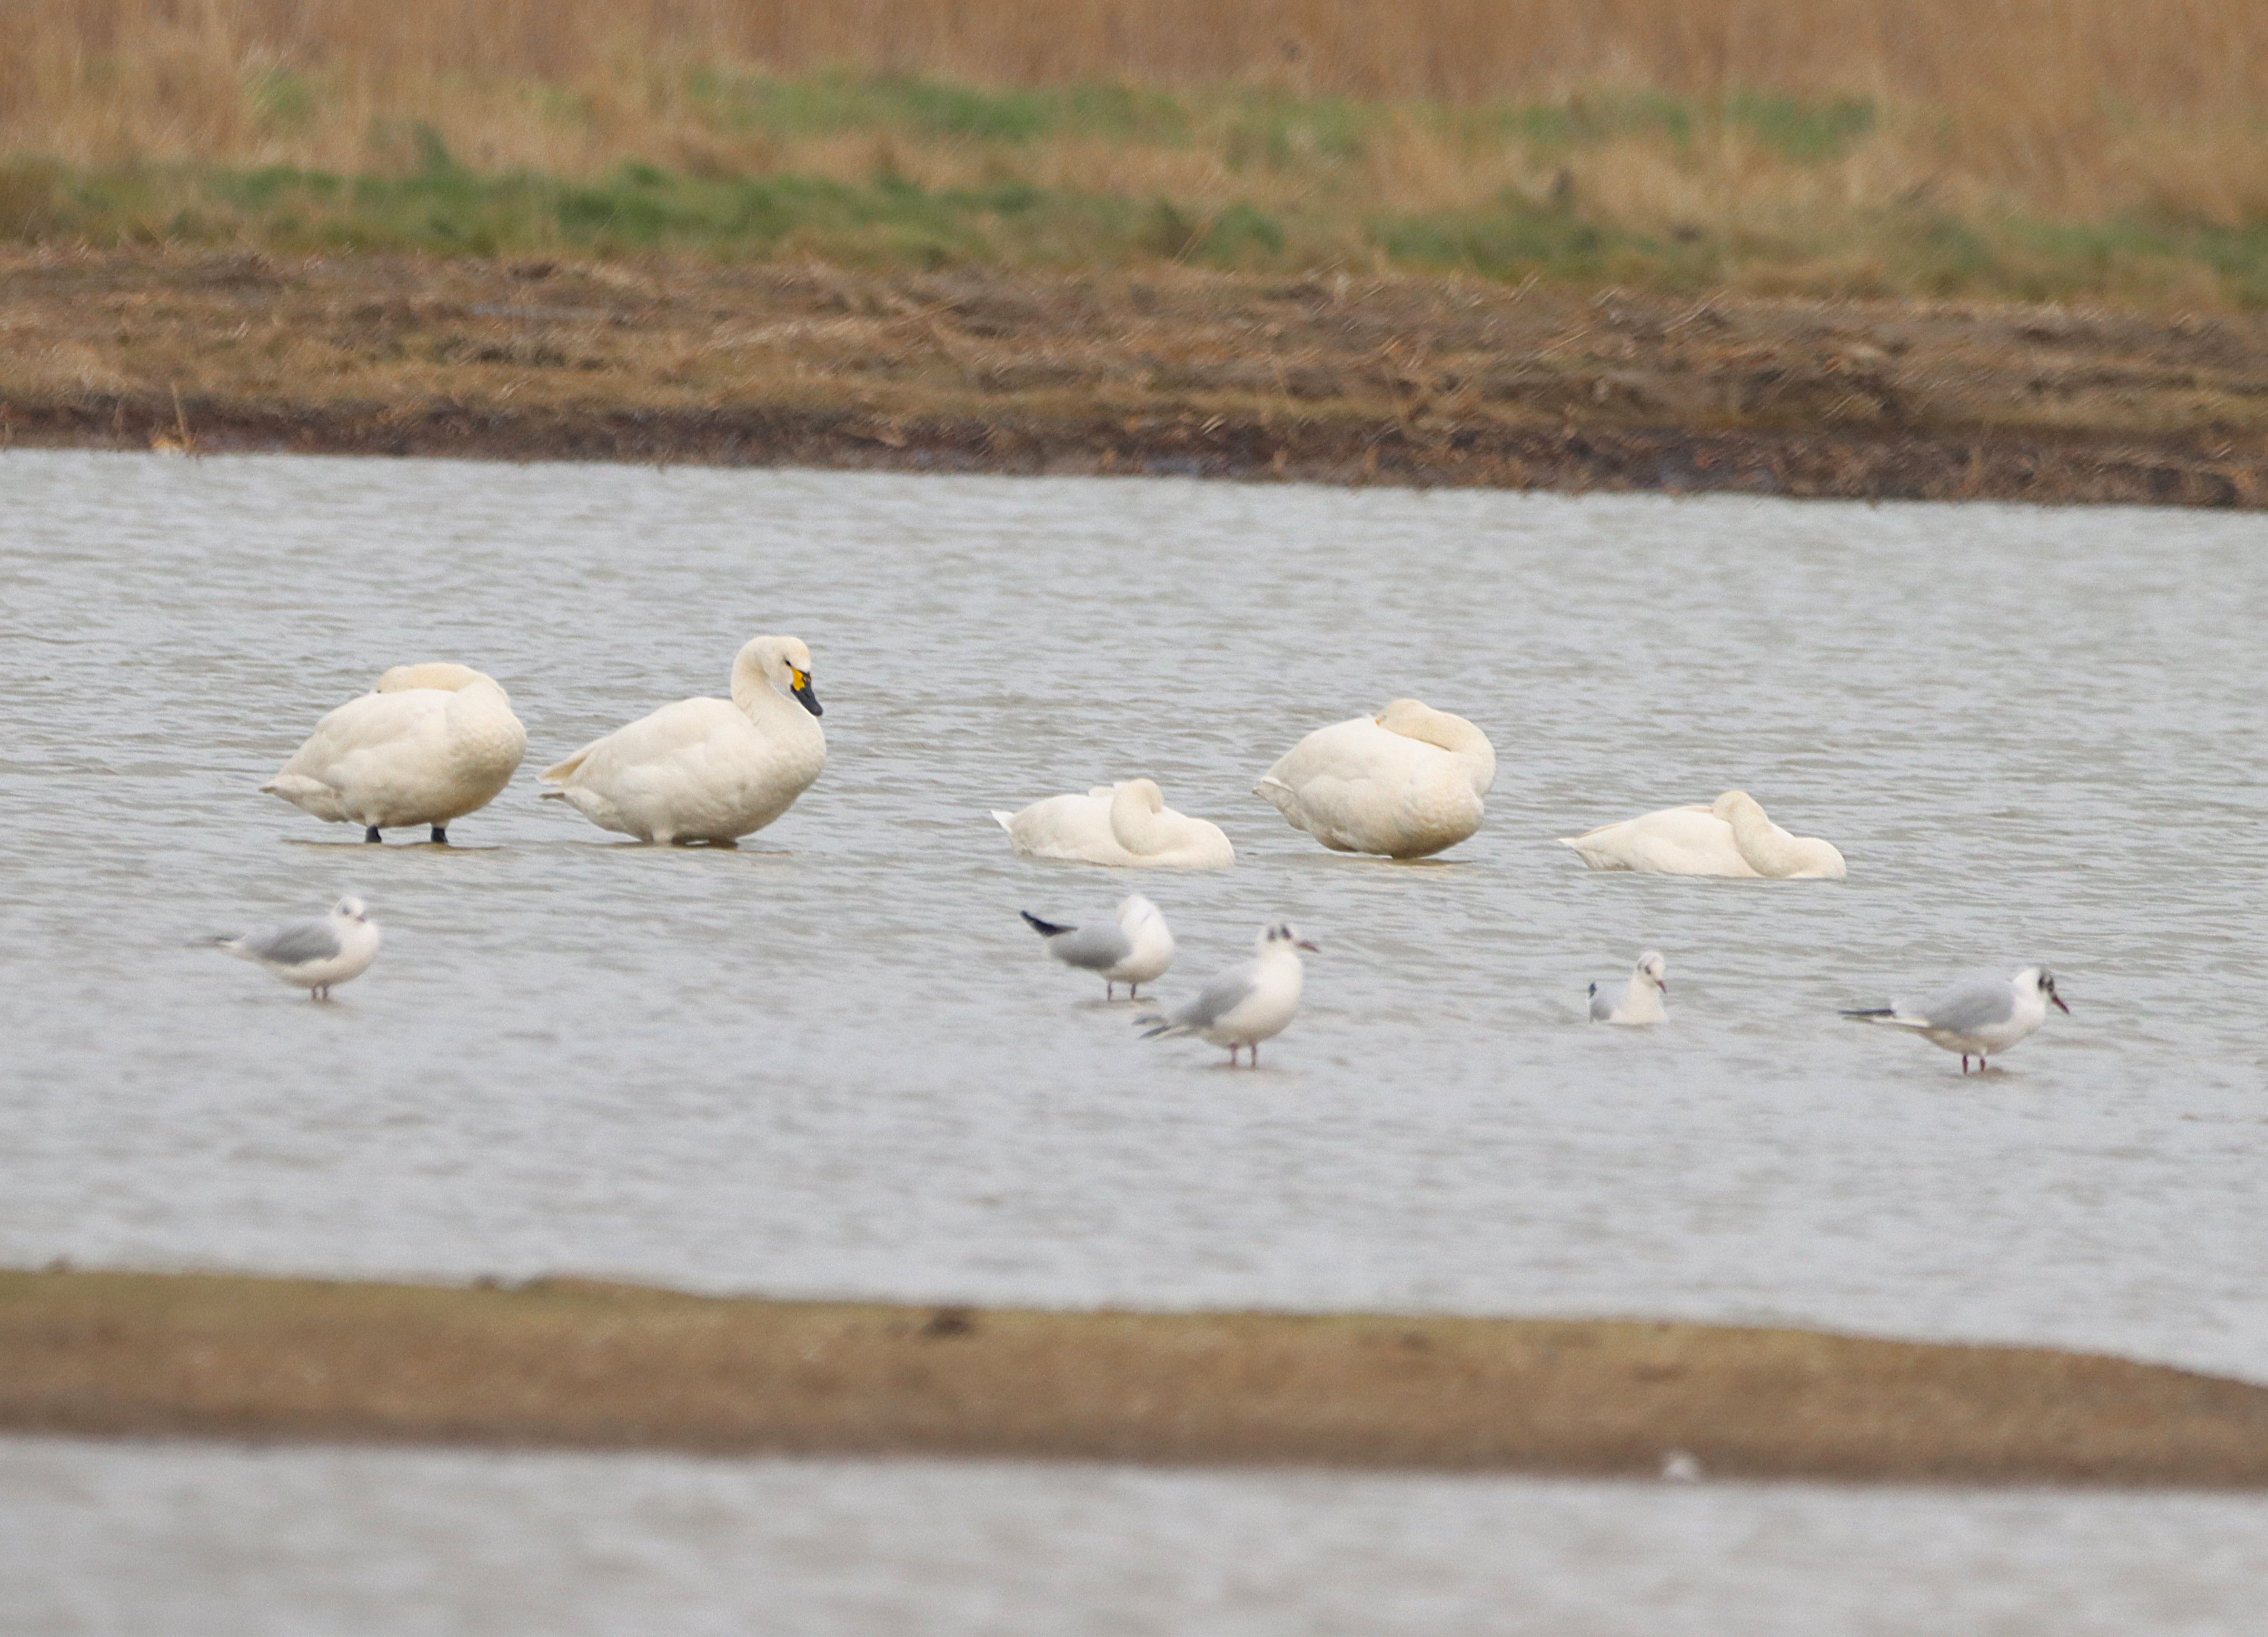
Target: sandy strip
x: 573, y: 1364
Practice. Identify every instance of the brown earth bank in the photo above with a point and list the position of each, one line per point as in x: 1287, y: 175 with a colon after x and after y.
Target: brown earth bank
x: 577, y: 1364
x: 1329, y: 379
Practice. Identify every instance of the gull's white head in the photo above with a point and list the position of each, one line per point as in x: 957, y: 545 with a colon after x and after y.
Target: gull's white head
x: 351, y: 909
x: 1134, y: 910
x: 1281, y: 938
x: 2038, y: 980
x: 1654, y: 969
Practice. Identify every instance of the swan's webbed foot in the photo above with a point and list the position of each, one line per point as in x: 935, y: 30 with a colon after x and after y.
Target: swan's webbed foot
x: 370, y: 834
x: 440, y: 835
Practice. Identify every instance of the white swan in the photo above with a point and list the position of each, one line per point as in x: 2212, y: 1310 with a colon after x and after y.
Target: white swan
x: 1730, y: 836
x: 1127, y: 825
x: 1405, y: 783
x: 429, y: 744
x: 702, y: 770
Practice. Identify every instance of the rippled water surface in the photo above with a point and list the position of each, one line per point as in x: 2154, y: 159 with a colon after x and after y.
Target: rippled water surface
x: 302, y: 1543
x: 834, y: 1061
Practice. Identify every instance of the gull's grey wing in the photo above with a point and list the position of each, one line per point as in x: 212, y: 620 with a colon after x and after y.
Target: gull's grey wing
x: 1095, y: 949
x: 1223, y: 991
x: 1603, y: 1007
x: 296, y: 945
x: 1970, y: 1003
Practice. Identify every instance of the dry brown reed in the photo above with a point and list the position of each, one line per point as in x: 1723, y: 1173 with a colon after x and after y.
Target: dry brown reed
x: 2060, y: 109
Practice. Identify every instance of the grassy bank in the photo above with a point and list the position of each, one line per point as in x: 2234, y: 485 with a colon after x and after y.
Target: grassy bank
x: 2055, y: 149
x: 566, y: 1363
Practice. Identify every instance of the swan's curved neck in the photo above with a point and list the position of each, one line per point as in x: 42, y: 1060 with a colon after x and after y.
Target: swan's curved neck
x: 1768, y: 849
x: 752, y: 691
x: 1452, y: 734
x: 1138, y: 830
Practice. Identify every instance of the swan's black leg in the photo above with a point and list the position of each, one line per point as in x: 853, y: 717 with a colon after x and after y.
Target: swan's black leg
x: 440, y: 836
x: 1110, y: 990
x: 369, y: 833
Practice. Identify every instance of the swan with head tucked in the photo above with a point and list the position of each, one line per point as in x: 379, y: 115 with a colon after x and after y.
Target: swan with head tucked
x: 704, y: 770
x: 1405, y: 783
x: 1731, y: 836
x: 428, y: 744
x: 1127, y: 825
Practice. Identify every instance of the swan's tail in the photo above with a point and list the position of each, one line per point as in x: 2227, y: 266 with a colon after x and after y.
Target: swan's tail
x: 559, y: 772
x: 1006, y: 821
x: 1270, y: 783
x: 1046, y: 929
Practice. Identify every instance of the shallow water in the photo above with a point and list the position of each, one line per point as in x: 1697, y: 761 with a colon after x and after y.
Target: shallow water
x: 136, y: 1540
x: 834, y: 1061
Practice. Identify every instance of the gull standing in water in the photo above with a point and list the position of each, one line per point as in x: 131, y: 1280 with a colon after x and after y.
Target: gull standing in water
x: 314, y: 954
x: 1132, y: 950
x: 1248, y: 1003
x: 1979, y: 1016
x: 1641, y: 1002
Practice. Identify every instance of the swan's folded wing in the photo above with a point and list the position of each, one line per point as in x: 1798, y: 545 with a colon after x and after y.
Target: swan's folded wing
x: 367, y: 724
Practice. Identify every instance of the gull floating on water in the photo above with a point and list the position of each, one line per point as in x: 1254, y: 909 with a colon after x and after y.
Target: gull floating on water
x: 1641, y: 1001
x: 314, y: 954
x: 1132, y: 950
x: 1980, y: 1015
x: 1248, y: 1003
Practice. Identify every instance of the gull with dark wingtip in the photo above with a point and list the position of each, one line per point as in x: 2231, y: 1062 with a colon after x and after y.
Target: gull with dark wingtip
x: 1979, y: 1016
x: 1131, y: 950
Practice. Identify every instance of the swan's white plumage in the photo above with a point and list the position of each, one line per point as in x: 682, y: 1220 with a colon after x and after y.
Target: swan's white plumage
x: 1405, y: 783
x: 1127, y: 825
x: 706, y: 770
x: 1732, y: 837
x: 429, y: 744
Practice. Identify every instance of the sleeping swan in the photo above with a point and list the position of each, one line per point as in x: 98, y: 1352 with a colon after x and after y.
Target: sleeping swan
x: 1730, y: 836
x: 429, y: 744
x: 1406, y: 782
x: 1127, y: 824
x: 701, y: 769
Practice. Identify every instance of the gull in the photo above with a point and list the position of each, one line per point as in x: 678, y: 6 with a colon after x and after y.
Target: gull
x: 1131, y: 950
x: 1245, y: 1004
x: 1980, y: 1015
x: 313, y: 955
x: 1641, y: 1002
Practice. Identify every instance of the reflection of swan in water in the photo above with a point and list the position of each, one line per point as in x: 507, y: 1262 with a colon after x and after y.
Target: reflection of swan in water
x: 1405, y: 783
x: 1127, y: 824
x: 702, y: 770
x: 1730, y: 836
x: 429, y: 744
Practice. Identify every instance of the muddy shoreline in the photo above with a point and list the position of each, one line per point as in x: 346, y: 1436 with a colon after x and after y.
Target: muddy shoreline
x: 571, y: 1364
x: 1388, y: 381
